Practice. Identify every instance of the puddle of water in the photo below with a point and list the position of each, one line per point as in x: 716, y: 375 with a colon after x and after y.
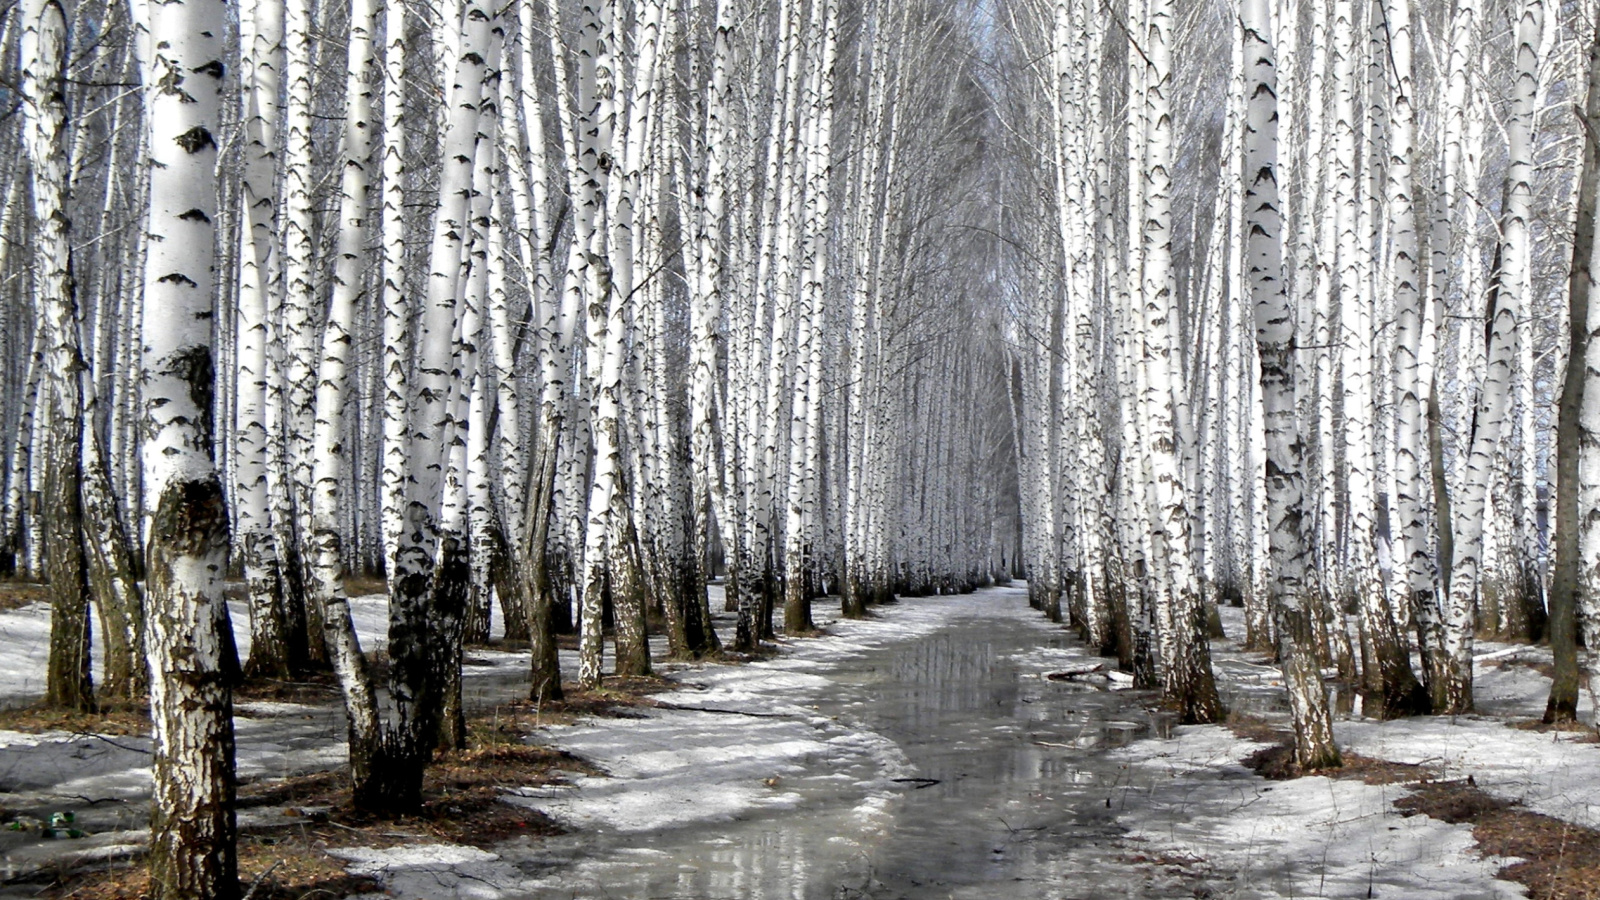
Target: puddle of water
x: 1013, y: 791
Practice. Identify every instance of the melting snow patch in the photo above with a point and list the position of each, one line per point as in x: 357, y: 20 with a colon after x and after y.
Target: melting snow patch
x: 1551, y: 774
x: 1309, y: 836
x: 431, y: 871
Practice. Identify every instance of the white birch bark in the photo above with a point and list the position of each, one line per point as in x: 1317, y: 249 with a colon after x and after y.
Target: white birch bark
x: 193, y: 831
x: 1510, y: 296
x: 396, y: 324
x: 329, y: 453
x: 1275, y: 324
x: 270, y: 641
x: 60, y: 451
x: 602, y: 354
x: 1189, y: 679
x: 1413, y: 486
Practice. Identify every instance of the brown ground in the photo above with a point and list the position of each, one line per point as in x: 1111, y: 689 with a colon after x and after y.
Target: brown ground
x: 1589, y: 736
x: 311, y: 690
x: 16, y: 594
x: 1277, y: 764
x: 119, y: 721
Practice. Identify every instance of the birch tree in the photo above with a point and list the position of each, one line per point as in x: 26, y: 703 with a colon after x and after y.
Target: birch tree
x: 1274, y: 318
x: 192, y: 830
x: 68, y: 681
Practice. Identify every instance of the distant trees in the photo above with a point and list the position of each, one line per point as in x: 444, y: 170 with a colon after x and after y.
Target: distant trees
x: 1406, y: 380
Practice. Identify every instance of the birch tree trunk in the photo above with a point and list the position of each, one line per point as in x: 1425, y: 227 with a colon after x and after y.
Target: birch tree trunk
x: 192, y: 829
x: 1275, y: 328
x: 273, y: 646
x: 326, y: 551
x: 67, y: 684
x: 1189, y: 680
x: 1509, y: 302
x: 1413, y: 485
x: 388, y: 753
x: 603, y: 350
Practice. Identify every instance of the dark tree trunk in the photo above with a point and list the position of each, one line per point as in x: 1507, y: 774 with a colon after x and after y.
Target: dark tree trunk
x: 451, y: 591
x: 68, y: 682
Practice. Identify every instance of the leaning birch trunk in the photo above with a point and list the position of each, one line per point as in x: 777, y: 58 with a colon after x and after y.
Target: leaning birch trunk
x: 1293, y: 619
x: 67, y: 684
x: 325, y: 553
x: 192, y: 837
x: 530, y: 546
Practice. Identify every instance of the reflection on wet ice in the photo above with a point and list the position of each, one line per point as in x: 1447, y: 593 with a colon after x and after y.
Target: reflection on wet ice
x: 1012, y: 787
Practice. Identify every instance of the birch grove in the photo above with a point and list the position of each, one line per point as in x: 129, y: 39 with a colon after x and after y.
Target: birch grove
x: 645, y: 327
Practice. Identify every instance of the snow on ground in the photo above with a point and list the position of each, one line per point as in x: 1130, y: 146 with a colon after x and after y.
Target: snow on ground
x: 25, y: 642
x: 105, y: 781
x: 1199, y: 807
x: 734, y: 741
x: 1550, y: 773
x: 1553, y: 774
x: 433, y: 871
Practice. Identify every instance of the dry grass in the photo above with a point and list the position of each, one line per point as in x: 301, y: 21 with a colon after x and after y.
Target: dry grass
x: 362, y: 585
x: 1587, y: 734
x: 16, y: 594
x: 1276, y: 762
x: 122, y: 720
x: 1382, y: 771
x: 286, y: 870
x: 615, y: 698
x: 1561, y: 861
x: 311, y: 690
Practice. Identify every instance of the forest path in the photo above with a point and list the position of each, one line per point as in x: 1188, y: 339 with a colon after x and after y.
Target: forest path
x: 921, y: 753
x: 924, y: 754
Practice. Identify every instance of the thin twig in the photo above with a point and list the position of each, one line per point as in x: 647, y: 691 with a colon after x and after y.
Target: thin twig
x: 256, y: 885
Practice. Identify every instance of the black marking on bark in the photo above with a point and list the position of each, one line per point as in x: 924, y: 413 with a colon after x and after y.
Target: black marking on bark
x: 191, y: 517
x: 194, y: 367
x: 196, y: 139
x: 172, y: 83
x: 195, y: 215
x: 177, y: 278
x: 213, y: 68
